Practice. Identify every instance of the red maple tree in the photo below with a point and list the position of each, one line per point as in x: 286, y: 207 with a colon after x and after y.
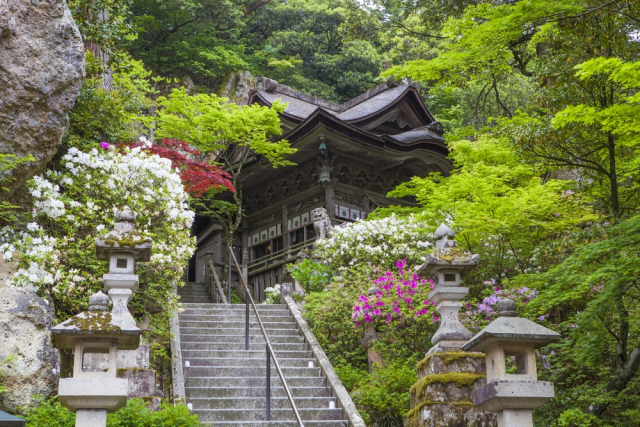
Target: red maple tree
x: 198, y: 177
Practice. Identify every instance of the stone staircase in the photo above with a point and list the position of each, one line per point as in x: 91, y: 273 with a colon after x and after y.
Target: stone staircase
x: 226, y: 385
x: 194, y: 292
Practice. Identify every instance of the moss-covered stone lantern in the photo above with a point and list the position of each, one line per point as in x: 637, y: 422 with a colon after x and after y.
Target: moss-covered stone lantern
x: 448, y: 376
x: 122, y: 247
x: 97, y: 334
x: 512, y: 388
x: 448, y: 264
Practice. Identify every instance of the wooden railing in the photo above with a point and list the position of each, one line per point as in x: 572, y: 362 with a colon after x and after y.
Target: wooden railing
x: 212, y: 281
x: 278, y: 258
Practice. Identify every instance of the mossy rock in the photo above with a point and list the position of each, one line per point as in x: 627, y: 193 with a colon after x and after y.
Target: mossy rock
x: 459, y: 379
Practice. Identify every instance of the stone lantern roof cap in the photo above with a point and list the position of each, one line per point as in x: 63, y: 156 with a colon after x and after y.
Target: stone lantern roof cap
x: 124, y: 239
x: 97, y: 326
x: 508, y: 329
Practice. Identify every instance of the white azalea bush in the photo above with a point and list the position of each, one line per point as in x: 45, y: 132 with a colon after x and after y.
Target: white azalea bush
x: 272, y: 294
x: 379, y: 242
x: 73, y: 205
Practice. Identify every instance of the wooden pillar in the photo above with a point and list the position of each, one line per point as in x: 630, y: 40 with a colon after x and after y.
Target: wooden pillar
x: 208, y: 277
x: 365, y: 206
x: 285, y: 232
x: 329, y: 201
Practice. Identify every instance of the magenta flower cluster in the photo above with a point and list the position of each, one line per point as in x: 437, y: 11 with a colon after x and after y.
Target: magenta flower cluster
x: 401, y: 295
x: 105, y: 145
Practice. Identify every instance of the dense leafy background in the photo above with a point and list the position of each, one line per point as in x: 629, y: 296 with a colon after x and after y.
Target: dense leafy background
x: 540, y: 103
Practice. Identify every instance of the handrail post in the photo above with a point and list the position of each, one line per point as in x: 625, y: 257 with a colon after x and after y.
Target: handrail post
x: 268, y: 383
x: 246, y: 326
x: 208, y: 281
x: 229, y: 277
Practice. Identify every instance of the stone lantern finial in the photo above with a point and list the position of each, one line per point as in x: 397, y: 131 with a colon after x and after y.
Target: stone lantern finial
x: 99, y: 302
x: 126, y: 215
x: 507, y: 308
x: 444, y: 231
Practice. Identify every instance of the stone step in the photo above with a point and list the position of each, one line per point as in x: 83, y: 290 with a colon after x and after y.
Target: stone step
x: 236, y: 331
x: 183, y: 295
x: 241, y: 306
x: 208, y: 415
x: 204, y: 338
x: 216, y: 318
x: 236, y: 314
x: 248, y: 371
x: 255, y: 354
x: 260, y: 382
x: 211, y: 393
x: 189, y: 323
x: 322, y: 423
x: 247, y: 361
x: 245, y: 403
x: 240, y: 346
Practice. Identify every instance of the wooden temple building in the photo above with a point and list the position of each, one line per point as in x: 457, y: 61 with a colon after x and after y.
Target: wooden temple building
x: 349, y: 156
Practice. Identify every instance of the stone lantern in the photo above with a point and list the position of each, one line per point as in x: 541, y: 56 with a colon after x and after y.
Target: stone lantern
x: 97, y: 334
x: 447, y: 376
x: 122, y: 247
x: 448, y: 265
x: 511, y: 339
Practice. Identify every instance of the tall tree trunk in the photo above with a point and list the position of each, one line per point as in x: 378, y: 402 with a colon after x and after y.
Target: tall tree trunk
x: 613, y: 177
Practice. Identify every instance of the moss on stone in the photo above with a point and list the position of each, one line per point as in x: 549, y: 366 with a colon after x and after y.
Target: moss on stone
x: 94, y: 321
x: 412, y: 417
x: 127, y: 239
x: 451, y: 254
x: 449, y: 357
x: 460, y: 379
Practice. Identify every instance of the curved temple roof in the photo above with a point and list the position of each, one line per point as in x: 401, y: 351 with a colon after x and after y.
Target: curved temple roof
x: 391, y: 117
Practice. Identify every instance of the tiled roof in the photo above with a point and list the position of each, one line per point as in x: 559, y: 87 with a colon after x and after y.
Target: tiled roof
x: 416, y: 135
x: 302, y: 105
x: 373, y: 104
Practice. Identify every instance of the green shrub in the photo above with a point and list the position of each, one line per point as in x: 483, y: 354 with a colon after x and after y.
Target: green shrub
x: 313, y: 276
x: 49, y: 413
x: 383, y: 396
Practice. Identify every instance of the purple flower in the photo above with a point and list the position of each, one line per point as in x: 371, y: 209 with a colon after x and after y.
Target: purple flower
x: 400, y: 264
x: 105, y: 145
x: 541, y: 318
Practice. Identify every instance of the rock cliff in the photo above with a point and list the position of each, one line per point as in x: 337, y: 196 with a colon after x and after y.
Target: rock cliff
x: 41, y: 71
x: 30, y: 364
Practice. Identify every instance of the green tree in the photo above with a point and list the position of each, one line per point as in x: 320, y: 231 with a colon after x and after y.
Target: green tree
x: 544, y: 41
x: 234, y: 135
x: 501, y: 207
x: 592, y: 296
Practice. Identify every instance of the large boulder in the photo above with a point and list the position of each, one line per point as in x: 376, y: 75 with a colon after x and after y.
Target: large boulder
x: 236, y: 87
x: 30, y: 364
x: 41, y: 72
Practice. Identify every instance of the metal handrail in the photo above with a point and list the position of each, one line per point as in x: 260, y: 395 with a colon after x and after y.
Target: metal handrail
x: 212, y: 268
x: 270, y: 352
